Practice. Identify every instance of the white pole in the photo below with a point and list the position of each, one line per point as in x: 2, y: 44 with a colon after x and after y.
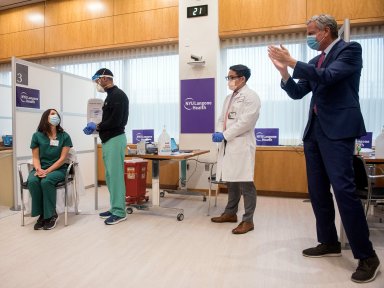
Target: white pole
x: 14, y: 139
x: 347, y: 30
x: 96, y: 180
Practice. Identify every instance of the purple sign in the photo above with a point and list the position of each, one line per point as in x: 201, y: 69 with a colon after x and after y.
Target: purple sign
x: 365, y: 141
x: 267, y: 136
x: 197, y: 105
x: 27, y: 98
x: 146, y: 134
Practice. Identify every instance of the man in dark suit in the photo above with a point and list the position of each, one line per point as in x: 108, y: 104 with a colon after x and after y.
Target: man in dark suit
x: 334, y: 123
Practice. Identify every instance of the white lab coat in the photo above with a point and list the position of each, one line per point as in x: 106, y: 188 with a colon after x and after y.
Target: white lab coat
x: 236, y: 159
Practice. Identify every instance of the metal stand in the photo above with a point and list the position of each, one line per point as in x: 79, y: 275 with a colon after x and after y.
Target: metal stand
x: 155, y: 196
x: 212, y: 180
x: 343, y: 237
x: 183, y: 190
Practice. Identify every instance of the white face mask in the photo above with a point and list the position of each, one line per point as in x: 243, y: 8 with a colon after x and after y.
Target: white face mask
x: 231, y: 85
x: 99, y: 88
x: 54, y: 119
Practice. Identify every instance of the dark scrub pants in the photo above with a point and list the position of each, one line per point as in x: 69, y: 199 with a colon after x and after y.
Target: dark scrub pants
x: 43, y: 190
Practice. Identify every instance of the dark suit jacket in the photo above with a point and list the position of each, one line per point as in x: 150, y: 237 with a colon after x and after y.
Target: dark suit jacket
x: 335, y: 90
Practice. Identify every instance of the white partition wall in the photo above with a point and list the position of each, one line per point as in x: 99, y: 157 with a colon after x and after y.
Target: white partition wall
x: 5, y: 110
x: 199, y: 36
x: 36, y: 88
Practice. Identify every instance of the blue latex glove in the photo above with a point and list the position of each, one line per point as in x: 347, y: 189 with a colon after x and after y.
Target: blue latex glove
x: 217, y: 137
x: 88, y: 130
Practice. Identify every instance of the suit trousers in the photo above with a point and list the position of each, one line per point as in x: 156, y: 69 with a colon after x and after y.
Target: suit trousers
x: 330, y: 163
x: 235, y: 190
x: 113, y: 157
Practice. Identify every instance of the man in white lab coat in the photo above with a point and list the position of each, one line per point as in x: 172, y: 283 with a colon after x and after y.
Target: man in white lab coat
x: 236, y: 158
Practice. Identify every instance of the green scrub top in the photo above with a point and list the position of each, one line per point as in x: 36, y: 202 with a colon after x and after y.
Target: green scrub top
x: 50, y: 152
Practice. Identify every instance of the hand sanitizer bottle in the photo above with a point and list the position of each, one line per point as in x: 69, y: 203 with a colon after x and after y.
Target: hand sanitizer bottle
x: 164, y: 144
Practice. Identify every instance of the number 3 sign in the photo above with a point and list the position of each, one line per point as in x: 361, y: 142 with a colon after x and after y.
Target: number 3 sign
x: 21, y: 74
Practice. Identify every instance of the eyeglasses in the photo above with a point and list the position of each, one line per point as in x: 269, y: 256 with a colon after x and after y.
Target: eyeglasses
x: 229, y: 78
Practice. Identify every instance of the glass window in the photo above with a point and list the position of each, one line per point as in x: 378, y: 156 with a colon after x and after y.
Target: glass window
x: 151, y: 81
x: 290, y: 116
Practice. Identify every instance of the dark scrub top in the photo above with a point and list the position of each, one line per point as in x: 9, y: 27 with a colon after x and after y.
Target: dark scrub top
x: 49, y: 154
x: 115, y: 114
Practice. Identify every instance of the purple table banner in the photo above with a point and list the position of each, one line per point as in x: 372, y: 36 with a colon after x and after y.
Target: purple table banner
x: 267, y: 136
x: 27, y: 98
x: 138, y: 135
x: 365, y: 141
x: 197, y: 105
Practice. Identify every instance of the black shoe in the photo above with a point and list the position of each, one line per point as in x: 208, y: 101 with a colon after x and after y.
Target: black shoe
x: 51, y: 222
x: 366, y: 270
x: 40, y: 223
x: 323, y: 250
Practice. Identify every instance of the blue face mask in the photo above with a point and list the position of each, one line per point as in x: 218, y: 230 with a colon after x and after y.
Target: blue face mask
x: 312, y: 42
x: 54, y: 119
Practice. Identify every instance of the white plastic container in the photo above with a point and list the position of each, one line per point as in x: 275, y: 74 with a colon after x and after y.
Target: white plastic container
x: 164, y: 144
x: 379, y: 145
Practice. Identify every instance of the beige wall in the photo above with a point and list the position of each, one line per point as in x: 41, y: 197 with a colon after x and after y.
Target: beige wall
x: 68, y: 27
x: 266, y: 16
x: 6, y: 178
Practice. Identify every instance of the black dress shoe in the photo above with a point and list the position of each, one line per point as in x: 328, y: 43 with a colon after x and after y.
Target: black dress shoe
x: 323, y: 250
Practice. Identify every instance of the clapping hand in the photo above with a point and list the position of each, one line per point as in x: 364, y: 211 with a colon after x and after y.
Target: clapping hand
x: 281, y: 58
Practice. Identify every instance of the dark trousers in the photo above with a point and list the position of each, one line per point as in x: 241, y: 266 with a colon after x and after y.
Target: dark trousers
x: 43, y: 192
x: 330, y: 162
x: 235, y: 190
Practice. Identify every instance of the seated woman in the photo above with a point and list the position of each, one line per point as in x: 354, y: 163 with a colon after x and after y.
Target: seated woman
x: 50, y: 146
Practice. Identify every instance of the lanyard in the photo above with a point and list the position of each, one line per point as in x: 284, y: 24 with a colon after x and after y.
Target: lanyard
x: 229, y: 106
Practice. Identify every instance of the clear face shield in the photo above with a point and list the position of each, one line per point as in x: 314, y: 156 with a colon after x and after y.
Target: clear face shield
x: 95, y: 79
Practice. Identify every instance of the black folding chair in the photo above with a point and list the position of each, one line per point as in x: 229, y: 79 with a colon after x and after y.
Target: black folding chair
x: 366, y: 189
x: 69, y: 178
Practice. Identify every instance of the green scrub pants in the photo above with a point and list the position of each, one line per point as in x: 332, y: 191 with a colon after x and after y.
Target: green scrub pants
x: 113, y: 157
x: 43, y: 192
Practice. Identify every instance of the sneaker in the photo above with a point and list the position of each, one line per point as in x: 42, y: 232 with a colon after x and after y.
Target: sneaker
x: 366, y: 270
x: 105, y: 215
x: 51, y: 222
x: 40, y: 223
x: 113, y: 219
x: 323, y: 250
